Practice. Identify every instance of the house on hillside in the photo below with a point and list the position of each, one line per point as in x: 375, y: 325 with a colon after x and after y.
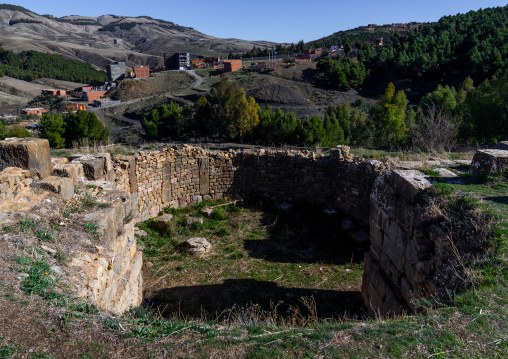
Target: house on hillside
x: 116, y: 71
x: 312, y: 53
x: 75, y: 107
x: 141, y: 72
x: 212, y: 62
x: 197, y: 63
x: 39, y: 111
x: 54, y: 93
x: 93, y: 95
x: 232, y: 65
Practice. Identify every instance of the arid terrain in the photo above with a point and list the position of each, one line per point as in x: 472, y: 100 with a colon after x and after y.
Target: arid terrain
x: 98, y: 41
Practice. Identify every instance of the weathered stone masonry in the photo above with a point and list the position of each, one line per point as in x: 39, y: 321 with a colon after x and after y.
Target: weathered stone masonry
x: 179, y: 177
x: 404, y: 264
x: 406, y: 260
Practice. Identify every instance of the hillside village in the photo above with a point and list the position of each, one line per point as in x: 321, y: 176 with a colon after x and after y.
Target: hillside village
x: 199, y: 197
x: 86, y: 97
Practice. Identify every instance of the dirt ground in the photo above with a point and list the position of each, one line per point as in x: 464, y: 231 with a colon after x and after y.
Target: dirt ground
x: 159, y: 83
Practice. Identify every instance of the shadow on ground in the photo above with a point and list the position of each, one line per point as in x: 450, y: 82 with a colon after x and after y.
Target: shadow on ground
x: 306, y: 233
x: 213, y: 301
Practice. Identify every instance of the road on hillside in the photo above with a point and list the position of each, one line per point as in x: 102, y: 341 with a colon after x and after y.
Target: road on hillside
x: 199, y: 79
x: 96, y: 109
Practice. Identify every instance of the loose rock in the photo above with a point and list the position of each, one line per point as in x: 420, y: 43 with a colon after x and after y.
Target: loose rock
x: 197, y: 246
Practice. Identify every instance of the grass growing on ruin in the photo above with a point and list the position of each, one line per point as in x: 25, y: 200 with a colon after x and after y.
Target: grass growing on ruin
x: 261, y: 255
x: 475, y: 325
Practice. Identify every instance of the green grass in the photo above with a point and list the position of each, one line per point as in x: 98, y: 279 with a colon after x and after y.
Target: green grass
x: 27, y: 225
x: 408, y: 155
x: 261, y: 254
x: 264, y: 249
x: 83, y: 204
x: 7, y: 350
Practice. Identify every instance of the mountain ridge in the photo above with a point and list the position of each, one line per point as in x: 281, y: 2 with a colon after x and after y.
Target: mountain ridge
x: 101, y: 40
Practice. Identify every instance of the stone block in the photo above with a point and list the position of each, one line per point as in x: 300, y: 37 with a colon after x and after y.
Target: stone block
x: 197, y: 246
x: 163, y: 221
x: 73, y: 171
x: 489, y: 162
x: 408, y: 183
x: 94, y: 167
x: 27, y: 153
x: 192, y: 220
x: 60, y: 185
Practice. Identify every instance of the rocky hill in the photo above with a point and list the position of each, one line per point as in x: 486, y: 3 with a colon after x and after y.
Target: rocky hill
x: 100, y: 40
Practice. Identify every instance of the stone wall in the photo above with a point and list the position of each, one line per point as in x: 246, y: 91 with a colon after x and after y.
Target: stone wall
x: 411, y: 256
x: 104, y: 270
x: 407, y: 261
x: 109, y: 276
x: 179, y: 177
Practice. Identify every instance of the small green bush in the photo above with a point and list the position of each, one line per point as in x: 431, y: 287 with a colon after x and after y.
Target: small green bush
x: 44, y: 236
x: 27, y: 224
x: 91, y: 227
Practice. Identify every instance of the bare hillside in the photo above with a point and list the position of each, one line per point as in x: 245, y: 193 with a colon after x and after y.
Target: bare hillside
x: 101, y: 40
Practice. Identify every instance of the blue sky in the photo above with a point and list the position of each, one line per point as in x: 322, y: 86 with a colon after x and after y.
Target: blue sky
x: 275, y: 20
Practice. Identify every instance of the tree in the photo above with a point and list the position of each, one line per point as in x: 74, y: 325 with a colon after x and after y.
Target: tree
x: 389, y: 117
x: 84, y: 126
x: 248, y: 118
x: 233, y: 114
x: 347, y: 48
x: 435, y: 129
x: 71, y: 128
x: 52, y: 128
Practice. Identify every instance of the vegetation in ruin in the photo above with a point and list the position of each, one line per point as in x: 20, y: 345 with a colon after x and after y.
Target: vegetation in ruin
x: 288, y: 255
x: 262, y: 255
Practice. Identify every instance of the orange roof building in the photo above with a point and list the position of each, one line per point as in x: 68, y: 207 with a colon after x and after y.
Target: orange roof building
x: 54, y: 93
x: 141, y: 72
x: 33, y: 111
x: 75, y: 107
x: 93, y: 95
x: 232, y: 65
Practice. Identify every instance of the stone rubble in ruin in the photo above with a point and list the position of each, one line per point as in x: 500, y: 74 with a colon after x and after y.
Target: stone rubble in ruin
x: 192, y: 220
x: 106, y: 269
x: 197, y: 246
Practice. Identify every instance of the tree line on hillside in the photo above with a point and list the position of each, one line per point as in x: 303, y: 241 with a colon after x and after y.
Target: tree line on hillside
x: 31, y: 65
x: 471, y: 44
x: 350, y: 38
x: 443, y: 118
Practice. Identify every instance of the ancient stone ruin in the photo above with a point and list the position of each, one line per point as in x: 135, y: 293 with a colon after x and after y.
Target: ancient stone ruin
x: 401, y: 267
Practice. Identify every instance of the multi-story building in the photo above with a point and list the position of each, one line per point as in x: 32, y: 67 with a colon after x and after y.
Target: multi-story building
x: 141, y: 72
x: 116, y: 71
x: 178, y: 61
x: 232, y: 65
